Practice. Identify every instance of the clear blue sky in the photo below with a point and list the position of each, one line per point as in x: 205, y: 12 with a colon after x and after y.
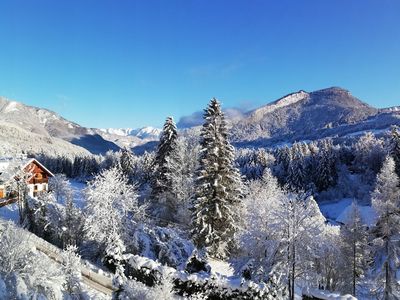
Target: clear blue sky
x: 132, y: 63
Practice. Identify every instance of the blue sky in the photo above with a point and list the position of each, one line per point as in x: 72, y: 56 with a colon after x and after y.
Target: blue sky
x: 132, y: 63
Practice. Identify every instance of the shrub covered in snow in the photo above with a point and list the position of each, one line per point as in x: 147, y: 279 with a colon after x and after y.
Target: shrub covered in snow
x: 166, y: 245
x: 199, y: 285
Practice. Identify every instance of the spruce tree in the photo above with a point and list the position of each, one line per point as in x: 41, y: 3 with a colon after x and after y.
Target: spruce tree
x: 296, y: 178
x: 71, y: 265
x: 218, y: 187
x: 126, y: 162
x: 326, y: 174
x: 167, y: 168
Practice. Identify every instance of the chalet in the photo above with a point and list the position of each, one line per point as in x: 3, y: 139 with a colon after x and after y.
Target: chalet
x: 35, y: 175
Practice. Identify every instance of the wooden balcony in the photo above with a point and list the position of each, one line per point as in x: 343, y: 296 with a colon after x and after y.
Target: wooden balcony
x: 37, y: 181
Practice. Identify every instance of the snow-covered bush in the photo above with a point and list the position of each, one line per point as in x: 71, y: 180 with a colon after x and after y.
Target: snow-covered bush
x: 133, y: 289
x: 166, y: 245
x: 193, y: 286
x: 45, y: 217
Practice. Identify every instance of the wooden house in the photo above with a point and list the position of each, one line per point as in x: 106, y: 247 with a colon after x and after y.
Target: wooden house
x: 31, y: 171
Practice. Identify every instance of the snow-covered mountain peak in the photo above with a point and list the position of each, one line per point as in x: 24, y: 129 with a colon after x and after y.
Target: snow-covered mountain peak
x: 7, y: 106
x: 147, y: 132
x: 12, y: 106
x: 282, y: 102
x: 117, y: 131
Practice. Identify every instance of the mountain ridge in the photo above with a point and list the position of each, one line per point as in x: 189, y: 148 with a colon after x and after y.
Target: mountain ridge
x: 50, y: 124
x: 301, y: 115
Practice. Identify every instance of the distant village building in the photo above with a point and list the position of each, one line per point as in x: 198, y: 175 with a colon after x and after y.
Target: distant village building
x: 35, y: 175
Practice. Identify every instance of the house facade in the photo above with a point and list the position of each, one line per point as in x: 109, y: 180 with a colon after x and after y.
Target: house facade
x: 31, y: 171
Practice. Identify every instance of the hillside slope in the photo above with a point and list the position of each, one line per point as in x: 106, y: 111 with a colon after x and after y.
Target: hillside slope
x: 15, y: 140
x: 46, y: 123
x: 328, y: 112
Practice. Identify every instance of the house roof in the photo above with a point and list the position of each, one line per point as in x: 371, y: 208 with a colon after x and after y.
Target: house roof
x: 10, y: 167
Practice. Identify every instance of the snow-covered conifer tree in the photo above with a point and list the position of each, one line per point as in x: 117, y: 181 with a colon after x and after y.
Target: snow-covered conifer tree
x: 72, y: 271
x: 126, y: 162
x: 167, y: 168
x: 326, y: 174
x: 283, y: 160
x: 215, y: 211
x: 296, y: 177
x: 386, y: 202
x: 114, y: 250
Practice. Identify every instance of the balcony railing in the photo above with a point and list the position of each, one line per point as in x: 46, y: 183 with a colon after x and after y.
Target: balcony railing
x: 43, y: 180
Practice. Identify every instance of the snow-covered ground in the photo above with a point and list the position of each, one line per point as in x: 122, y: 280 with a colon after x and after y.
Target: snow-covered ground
x: 368, y: 215
x: 220, y: 267
x: 9, y: 213
x: 78, y: 188
x: 333, y: 209
x: 337, y: 211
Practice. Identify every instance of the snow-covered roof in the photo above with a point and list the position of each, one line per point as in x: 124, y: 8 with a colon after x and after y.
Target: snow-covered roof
x: 10, y: 167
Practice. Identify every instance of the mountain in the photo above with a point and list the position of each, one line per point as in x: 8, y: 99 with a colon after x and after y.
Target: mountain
x: 302, y: 115
x: 148, y: 132
x: 331, y: 112
x: 48, y: 124
x: 131, y: 138
x: 15, y: 140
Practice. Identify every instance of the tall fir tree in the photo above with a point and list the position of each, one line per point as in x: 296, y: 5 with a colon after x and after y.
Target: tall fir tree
x: 326, y: 173
x: 127, y: 162
x: 386, y: 202
x: 167, y: 169
x: 296, y: 177
x: 218, y: 187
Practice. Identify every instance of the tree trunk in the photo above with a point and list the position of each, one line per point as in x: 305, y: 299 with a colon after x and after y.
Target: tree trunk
x: 386, y: 280
x: 354, y: 268
x: 293, y: 270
